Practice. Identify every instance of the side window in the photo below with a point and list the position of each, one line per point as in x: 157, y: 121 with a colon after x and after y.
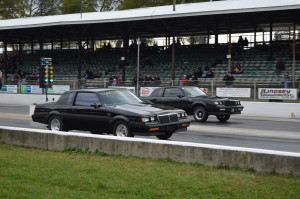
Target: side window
x: 70, y: 99
x: 157, y: 93
x: 86, y: 99
x: 172, y: 92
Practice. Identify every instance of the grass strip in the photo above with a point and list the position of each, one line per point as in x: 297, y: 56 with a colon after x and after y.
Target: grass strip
x: 33, y: 174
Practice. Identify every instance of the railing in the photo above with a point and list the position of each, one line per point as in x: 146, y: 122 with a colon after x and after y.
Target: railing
x: 209, y: 84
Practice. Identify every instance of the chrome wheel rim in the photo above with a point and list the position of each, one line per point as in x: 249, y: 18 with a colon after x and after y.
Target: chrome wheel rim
x: 122, y: 130
x: 55, y: 125
x: 199, y: 114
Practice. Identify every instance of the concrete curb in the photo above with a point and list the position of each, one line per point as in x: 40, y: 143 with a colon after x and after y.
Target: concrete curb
x: 265, y: 161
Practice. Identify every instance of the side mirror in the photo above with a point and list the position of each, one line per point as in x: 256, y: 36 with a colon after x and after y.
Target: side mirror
x: 95, y: 105
x: 180, y: 96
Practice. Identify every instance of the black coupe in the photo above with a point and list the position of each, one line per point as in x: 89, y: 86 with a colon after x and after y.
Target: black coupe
x: 115, y: 111
x: 195, y: 102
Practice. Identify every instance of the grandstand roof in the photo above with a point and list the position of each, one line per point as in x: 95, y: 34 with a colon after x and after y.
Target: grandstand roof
x: 188, y: 19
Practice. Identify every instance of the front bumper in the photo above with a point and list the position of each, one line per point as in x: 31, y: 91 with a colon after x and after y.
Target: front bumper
x: 226, y: 110
x: 150, y: 129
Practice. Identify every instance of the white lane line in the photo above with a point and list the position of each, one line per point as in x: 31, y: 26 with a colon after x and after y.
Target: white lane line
x: 245, y: 132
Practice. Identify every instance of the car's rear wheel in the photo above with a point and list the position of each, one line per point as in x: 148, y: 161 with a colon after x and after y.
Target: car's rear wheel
x: 166, y: 136
x: 223, y: 118
x: 200, y: 114
x: 55, y: 123
x: 121, y: 129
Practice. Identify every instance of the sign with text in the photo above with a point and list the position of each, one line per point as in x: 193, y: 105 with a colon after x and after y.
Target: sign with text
x: 277, y: 93
x: 131, y: 89
x: 34, y: 89
x: 9, y: 89
x: 234, y: 92
x: 59, y: 89
x: 146, y: 91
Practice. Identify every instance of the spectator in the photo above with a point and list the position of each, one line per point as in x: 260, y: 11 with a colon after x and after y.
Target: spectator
x: 246, y: 42
x: 240, y: 42
x: 183, y: 81
x: 209, y: 74
x: 194, y: 80
x: 280, y: 66
x: 156, y: 80
x: 198, y: 73
x: 228, y: 79
x: 89, y: 74
x: 148, y: 78
x: 285, y: 81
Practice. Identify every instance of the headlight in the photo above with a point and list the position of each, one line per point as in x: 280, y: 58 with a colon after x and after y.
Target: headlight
x: 145, y: 119
x: 237, y: 102
x: 219, y: 103
x: 182, y: 115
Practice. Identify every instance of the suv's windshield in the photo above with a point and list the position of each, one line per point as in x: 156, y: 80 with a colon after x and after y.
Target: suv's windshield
x: 193, y: 91
x: 117, y: 97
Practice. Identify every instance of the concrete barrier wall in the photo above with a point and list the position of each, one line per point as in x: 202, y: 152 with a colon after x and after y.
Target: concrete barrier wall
x: 26, y: 99
x: 271, y: 109
x: 213, y: 155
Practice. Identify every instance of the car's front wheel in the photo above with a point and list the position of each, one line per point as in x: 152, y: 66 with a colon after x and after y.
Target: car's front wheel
x: 166, y: 136
x: 200, y: 114
x: 121, y: 129
x: 223, y: 118
x: 55, y: 123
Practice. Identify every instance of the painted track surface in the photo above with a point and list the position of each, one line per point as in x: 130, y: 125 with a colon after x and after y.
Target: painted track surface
x: 252, y: 132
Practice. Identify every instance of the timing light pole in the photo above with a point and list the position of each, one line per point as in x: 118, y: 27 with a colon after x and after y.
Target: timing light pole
x: 174, y: 4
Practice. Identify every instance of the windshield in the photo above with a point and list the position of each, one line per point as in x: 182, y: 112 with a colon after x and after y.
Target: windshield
x: 117, y: 97
x: 193, y: 91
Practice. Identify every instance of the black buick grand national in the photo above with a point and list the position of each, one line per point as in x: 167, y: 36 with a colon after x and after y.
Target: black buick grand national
x: 195, y: 102
x: 111, y: 111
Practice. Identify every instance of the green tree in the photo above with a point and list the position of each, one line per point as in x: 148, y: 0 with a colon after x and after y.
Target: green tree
x: 131, y: 4
x: 47, y: 7
x: 77, y: 6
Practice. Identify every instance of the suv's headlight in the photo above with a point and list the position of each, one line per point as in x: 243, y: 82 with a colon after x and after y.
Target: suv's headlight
x: 182, y: 115
x: 238, y: 102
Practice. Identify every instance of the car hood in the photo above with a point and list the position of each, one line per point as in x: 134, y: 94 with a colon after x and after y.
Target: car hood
x: 144, y: 109
x: 208, y: 97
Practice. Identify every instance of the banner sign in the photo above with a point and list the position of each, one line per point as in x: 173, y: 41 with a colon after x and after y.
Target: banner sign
x: 277, y: 93
x: 146, y: 91
x: 131, y: 89
x: 58, y: 89
x: 33, y: 89
x: 9, y: 89
x: 234, y: 92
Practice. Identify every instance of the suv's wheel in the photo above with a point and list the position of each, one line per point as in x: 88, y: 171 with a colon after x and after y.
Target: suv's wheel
x: 166, y: 136
x: 223, y: 118
x: 122, y: 129
x: 200, y: 114
x: 55, y: 123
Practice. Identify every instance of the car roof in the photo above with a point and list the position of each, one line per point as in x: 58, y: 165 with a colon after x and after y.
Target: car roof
x: 96, y: 89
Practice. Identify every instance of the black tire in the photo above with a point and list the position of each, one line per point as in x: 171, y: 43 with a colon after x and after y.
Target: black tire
x: 200, y: 114
x: 223, y: 118
x: 55, y: 123
x: 165, y: 136
x: 121, y: 129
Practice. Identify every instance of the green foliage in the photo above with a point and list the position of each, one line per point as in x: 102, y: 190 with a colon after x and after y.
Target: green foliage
x: 131, y: 4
